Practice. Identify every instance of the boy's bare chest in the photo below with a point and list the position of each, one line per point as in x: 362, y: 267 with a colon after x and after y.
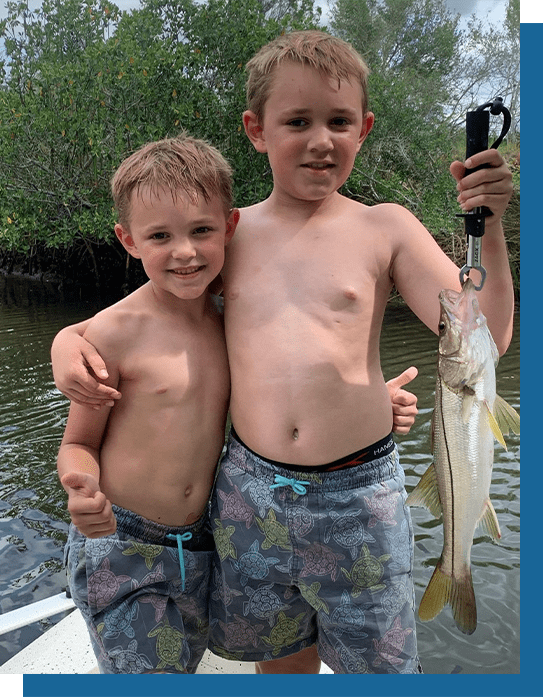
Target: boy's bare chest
x: 174, y: 367
x: 335, y: 272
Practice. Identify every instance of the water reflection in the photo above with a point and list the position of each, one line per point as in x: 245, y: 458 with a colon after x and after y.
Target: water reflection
x: 33, y: 517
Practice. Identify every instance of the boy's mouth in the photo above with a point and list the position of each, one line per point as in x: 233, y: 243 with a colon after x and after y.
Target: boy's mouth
x: 318, y: 165
x: 189, y: 271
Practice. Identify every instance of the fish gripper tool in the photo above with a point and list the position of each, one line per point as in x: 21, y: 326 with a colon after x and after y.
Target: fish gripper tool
x: 477, y: 127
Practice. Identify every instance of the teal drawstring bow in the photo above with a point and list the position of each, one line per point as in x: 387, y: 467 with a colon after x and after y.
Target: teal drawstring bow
x: 179, y: 539
x: 296, y: 485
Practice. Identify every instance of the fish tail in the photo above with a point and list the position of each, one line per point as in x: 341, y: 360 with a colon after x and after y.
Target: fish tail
x: 457, y: 592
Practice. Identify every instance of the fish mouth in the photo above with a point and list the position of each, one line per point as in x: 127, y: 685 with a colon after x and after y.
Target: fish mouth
x: 461, y: 306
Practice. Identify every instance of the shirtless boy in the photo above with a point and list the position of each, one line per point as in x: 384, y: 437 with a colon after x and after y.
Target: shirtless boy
x: 311, y: 483
x: 138, y: 475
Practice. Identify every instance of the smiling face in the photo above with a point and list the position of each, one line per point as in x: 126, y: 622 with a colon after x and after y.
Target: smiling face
x: 312, y: 129
x: 180, y: 242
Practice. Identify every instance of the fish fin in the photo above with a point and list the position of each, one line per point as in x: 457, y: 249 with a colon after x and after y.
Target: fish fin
x: 462, y: 601
x: 489, y: 521
x: 458, y: 593
x: 426, y: 493
x: 436, y: 595
x: 508, y: 419
x: 494, y: 426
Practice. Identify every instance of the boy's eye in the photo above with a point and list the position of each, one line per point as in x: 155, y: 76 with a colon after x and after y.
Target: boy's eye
x: 340, y: 121
x: 159, y: 236
x: 298, y: 123
x: 201, y: 230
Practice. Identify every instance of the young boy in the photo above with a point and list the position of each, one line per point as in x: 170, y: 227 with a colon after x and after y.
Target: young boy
x: 138, y: 476
x: 314, y: 540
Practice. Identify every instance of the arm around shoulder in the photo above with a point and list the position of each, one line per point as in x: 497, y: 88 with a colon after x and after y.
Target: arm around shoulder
x: 79, y: 371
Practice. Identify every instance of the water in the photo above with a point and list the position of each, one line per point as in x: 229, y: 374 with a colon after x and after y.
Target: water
x: 34, y: 521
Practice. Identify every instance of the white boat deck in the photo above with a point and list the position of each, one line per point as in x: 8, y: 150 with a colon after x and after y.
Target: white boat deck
x: 66, y: 648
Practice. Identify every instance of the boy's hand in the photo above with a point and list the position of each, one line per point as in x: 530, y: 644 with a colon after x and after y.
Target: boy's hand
x: 403, y: 402
x: 491, y: 187
x: 77, y: 373
x: 90, y: 510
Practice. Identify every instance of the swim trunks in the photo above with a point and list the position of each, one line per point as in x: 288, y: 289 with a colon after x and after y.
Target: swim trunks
x: 145, y: 607
x: 310, y: 556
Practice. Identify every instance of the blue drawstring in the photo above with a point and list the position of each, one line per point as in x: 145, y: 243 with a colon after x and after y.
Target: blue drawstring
x: 296, y: 485
x: 179, y: 539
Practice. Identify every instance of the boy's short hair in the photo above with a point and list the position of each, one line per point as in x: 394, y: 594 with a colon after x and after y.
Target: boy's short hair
x: 180, y: 165
x: 329, y: 54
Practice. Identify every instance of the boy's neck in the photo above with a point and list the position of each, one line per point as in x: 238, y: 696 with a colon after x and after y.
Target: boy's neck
x: 290, y: 209
x: 169, y: 304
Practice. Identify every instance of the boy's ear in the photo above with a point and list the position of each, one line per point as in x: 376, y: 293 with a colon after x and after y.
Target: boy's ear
x: 232, y: 222
x: 254, y: 130
x: 368, y: 121
x: 124, y: 236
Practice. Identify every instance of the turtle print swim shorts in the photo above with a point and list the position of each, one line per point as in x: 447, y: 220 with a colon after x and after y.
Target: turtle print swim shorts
x: 146, y: 607
x: 307, y: 556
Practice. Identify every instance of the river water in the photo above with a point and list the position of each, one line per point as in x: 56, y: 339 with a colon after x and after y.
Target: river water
x: 34, y: 521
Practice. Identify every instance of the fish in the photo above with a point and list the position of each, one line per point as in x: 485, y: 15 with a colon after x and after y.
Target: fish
x: 467, y: 418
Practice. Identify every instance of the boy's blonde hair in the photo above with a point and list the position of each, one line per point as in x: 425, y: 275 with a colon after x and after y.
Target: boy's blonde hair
x: 181, y: 165
x: 332, y: 56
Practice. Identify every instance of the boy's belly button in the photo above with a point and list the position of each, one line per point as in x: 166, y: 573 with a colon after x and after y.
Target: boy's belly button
x: 189, y: 490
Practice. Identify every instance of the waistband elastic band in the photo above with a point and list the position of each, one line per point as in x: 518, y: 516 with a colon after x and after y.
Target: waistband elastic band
x: 382, y: 447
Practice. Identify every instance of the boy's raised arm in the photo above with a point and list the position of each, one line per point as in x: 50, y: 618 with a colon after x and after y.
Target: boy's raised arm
x: 78, y: 368
x: 420, y: 270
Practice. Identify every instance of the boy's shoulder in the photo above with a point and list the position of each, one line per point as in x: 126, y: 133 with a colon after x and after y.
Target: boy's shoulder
x: 119, y: 324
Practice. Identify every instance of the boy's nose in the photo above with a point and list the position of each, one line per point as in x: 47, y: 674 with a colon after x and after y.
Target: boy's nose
x: 320, y: 140
x: 184, y: 249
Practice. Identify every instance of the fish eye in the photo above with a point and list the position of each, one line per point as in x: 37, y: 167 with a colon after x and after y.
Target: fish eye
x: 442, y: 327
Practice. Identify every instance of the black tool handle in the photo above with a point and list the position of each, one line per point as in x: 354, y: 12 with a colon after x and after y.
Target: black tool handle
x: 477, y: 127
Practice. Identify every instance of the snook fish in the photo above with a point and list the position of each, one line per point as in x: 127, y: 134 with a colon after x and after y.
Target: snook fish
x: 468, y: 416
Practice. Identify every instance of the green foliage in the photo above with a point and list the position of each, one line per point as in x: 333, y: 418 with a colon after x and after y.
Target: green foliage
x: 87, y: 84
x: 83, y: 84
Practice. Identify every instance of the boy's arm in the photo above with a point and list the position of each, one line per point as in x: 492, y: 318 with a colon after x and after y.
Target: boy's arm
x: 78, y: 368
x: 420, y: 270
x: 78, y: 466
x: 78, y: 461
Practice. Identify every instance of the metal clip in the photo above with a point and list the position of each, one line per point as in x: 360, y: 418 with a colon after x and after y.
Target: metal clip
x: 473, y: 261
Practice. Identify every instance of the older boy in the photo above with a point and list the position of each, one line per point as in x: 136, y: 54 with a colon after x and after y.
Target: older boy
x: 138, y: 476
x: 306, y: 282
x: 309, y: 504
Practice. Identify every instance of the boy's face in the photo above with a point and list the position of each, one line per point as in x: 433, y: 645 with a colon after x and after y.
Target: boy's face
x: 181, y: 243
x: 312, y: 130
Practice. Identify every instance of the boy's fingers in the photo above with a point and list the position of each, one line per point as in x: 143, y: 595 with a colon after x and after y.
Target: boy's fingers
x: 406, y: 376
x: 82, y: 485
x: 89, y: 391
x: 96, y: 524
x: 405, y: 402
x: 88, y: 402
x: 457, y: 169
x: 94, y: 361
x: 490, y: 157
